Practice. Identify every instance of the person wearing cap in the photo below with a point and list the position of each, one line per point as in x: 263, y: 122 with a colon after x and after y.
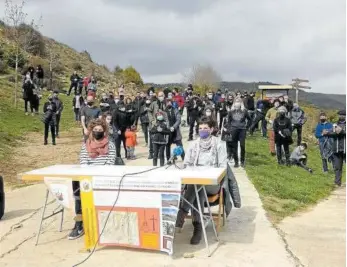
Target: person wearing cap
x: 270, y: 117
x: 338, y: 137
x: 322, y: 129
x: 299, y: 157
x: 282, y: 128
x: 60, y: 106
x: 297, y: 116
x: 49, y: 119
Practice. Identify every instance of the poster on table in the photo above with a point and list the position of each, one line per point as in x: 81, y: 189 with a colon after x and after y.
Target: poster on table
x: 144, y: 215
x: 61, y: 189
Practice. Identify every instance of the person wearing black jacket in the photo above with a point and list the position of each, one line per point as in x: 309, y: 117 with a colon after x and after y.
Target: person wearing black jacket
x: 49, y: 119
x: 144, y: 119
x: 250, y: 108
x: 39, y: 76
x: 74, y: 79
x: 104, y: 103
x: 259, y: 117
x: 338, y: 138
x: 283, y: 135
x: 195, y: 108
x: 138, y: 102
x: 120, y: 121
x: 77, y: 104
x: 59, y: 105
x: 237, y: 122
x: 28, y: 94
x: 222, y: 109
x: 31, y: 71
x: 160, y: 133
x: 175, y: 136
x: 131, y: 112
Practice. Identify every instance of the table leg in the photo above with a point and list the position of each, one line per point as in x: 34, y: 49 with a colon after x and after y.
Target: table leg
x: 210, y: 213
x: 201, y: 213
x: 42, y: 217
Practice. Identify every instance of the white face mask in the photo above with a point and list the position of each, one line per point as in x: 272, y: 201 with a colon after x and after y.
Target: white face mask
x: 302, y: 148
x: 208, y: 113
x: 209, y: 96
x: 161, y: 98
x: 237, y: 105
x: 116, y: 100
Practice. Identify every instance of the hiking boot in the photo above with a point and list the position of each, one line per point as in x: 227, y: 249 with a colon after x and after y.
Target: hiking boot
x: 310, y: 170
x: 26, y: 113
x: 181, y: 215
x: 197, y: 233
x: 190, y: 139
x: 76, y: 232
x: 53, y: 143
x: 150, y: 156
x: 236, y: 165
x: 32, y: 114
x: 243, y: 164
x: 45, y: 142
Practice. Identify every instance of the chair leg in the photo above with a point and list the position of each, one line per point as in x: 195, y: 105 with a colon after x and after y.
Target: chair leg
x: 220, y: 209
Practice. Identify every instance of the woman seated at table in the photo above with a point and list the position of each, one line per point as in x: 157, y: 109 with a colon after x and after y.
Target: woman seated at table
x: 207, y: 150
x: 97, y: 150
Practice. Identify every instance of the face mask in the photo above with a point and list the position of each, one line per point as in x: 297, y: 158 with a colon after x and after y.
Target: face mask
x: 323, y: 120
x: 122, y: 109
x: 208, y: 113
x: 98, y: 135
x: 282, y: 114
x: 276, y: 105
x: 50, y: 99
x: 161, y: 98
x: 204, y: 134
x: 116, y: 100
x: 223, y: 96
x: 55, y: 96
x: 342, y: 118
x: 90, y: 103
x: 160, y: 118
x: 169, y: 97
x: 169, y: 106
x: 150, y: 94
x: 209, y: 96
x: 302, y: 148
x: 104, y: 97
x: 237, y: 105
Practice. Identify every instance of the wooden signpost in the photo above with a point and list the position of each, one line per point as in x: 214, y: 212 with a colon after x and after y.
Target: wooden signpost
x: 297, y: 85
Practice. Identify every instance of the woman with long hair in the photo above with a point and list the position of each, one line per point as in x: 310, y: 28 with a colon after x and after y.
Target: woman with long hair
x: 237, y: 125
x: 97, y: 150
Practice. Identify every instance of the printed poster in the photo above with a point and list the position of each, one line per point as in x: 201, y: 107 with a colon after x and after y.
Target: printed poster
x: 61, y: 189
x: 274, y: 93
x: 145, y: 214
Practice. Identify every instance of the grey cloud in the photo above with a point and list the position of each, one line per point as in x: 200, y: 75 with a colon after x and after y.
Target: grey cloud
x: 180, y: 7
x: 244, y: 40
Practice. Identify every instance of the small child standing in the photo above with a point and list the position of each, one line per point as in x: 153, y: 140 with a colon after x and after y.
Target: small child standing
x: 299, y: 158
x: 131, y: 142
x: 160, y: 133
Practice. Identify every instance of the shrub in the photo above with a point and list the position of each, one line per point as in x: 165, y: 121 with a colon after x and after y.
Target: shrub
x: 10, y: 57
x: 77, y: 66
x: 130, y: 74
x: 86, y: 54
x: 37, y: 45
x: 3, y: 67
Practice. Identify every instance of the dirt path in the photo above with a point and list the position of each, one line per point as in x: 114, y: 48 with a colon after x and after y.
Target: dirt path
x: 318, y: 237
x: 32, y: 154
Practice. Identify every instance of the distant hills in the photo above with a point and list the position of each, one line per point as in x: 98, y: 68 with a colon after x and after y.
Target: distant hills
x: 322, y: 101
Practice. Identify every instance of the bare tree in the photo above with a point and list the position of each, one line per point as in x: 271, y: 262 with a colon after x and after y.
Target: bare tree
x: 21, y: 34
x: 203, y: 77
x: 53, y: 61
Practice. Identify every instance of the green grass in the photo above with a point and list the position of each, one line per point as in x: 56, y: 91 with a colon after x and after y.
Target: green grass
x: 15, y: 125
x: 285, y: 190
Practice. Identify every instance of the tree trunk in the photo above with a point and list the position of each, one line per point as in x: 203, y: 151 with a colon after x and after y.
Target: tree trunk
x: 16, y: 82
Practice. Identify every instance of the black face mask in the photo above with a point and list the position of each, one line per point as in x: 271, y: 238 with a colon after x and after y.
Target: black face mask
x: 323, y: 120
x: 282, y: 115
x: 90, y: 103
x: 98, y: 135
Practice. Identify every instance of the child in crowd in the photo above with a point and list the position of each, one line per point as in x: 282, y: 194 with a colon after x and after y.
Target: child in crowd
x: 112, y: 130
x: 299, y: 158
x: 131, y: 142
x: 160, y: 134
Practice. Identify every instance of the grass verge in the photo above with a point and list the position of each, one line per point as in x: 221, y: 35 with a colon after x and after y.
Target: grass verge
x: 285, y: 190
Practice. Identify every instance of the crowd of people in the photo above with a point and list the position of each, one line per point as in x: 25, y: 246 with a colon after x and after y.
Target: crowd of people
x: 110, y: 124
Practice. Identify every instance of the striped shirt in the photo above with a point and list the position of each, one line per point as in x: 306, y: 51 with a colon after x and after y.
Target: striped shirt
x: 108, y: 159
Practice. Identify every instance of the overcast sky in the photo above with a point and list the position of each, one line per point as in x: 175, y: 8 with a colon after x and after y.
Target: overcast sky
x: 244, y: 40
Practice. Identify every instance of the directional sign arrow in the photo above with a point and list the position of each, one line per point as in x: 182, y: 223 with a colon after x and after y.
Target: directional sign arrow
x: 301, y: 86
x: 300, y: 80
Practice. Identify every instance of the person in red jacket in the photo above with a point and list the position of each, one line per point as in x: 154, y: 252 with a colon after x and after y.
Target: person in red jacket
x: 86, y: 81
x: 179, y: 100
